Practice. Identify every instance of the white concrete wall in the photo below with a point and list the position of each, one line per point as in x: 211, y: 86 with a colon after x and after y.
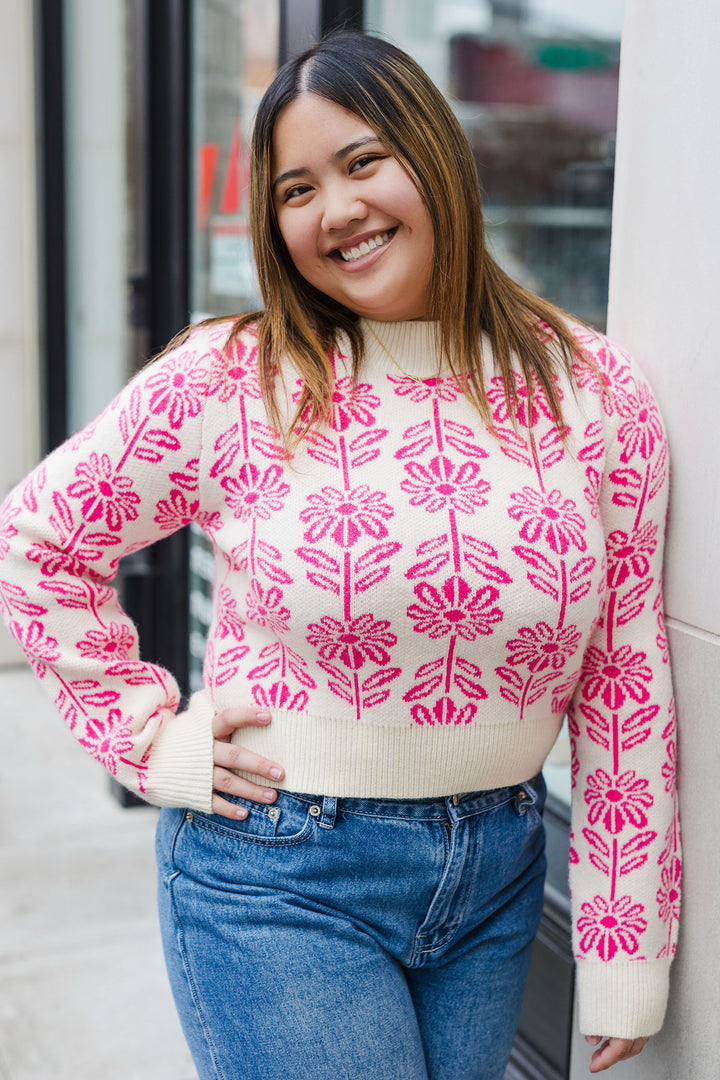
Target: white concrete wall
x: 19, y: 381
x: 664, y: 307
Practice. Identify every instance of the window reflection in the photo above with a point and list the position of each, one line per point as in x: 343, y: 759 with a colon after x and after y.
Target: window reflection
x: 534, y: 84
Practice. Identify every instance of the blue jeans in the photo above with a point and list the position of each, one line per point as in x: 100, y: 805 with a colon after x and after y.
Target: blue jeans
x: 353, y: 939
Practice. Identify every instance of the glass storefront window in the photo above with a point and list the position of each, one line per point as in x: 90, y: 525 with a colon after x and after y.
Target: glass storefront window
x: 235, y: 57
x: 534, y: 84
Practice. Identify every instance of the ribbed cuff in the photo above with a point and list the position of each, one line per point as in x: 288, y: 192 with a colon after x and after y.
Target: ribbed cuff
x: 622, y: 1001
x: 181, y: 759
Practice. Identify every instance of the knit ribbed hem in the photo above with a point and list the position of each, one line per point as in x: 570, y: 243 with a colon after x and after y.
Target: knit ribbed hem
x: 181, y: 759
x: 622, y: 1000
x: 328, y: 756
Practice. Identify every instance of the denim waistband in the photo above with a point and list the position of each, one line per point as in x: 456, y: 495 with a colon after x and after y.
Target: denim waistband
x: 461, y: 805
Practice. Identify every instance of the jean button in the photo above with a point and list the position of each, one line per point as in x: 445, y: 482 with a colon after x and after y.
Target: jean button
x: 316, y: 811
x: 273, y: 812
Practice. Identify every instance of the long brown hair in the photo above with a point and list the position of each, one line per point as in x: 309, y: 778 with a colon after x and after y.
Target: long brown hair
x: 469, y: 292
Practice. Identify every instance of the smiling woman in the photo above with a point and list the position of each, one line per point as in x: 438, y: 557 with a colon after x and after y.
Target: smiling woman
x: 415, y: 475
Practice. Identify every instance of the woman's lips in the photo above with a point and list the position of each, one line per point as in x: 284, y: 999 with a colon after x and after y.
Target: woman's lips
x: 363, y: 253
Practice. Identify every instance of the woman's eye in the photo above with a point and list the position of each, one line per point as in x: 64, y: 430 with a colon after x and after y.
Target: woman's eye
x: 294, y: 192
x: 361, y: 162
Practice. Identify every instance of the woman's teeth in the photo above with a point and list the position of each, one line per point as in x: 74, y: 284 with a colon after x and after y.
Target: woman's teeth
x: 365, y: 247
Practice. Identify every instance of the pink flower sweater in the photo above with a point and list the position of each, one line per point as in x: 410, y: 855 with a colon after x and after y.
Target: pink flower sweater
x: 418, y: 601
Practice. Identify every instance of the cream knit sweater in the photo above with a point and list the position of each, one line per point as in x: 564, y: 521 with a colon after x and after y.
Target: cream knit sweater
x: 418, y: 601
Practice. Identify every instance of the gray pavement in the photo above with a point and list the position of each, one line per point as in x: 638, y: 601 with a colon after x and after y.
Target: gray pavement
x: 83, y: 991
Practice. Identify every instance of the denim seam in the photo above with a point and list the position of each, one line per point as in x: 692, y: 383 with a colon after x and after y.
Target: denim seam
x: 180, y: 935
x: 264, y: 841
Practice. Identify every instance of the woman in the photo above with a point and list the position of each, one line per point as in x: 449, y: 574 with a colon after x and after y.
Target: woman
x: 437, y: 508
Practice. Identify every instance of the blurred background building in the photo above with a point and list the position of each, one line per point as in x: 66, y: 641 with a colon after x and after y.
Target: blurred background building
x: 124, y: 130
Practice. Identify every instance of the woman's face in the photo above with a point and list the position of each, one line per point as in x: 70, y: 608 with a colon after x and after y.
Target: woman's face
x: 355, y: 225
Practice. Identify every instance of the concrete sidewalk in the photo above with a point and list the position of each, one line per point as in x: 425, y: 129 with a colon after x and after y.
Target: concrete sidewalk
x: 83, y: 990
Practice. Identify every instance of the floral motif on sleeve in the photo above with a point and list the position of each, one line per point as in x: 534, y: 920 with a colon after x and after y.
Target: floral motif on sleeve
x: 628, y: 847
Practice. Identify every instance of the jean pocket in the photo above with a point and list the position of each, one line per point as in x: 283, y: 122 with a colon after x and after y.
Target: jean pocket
x: 288, y: 821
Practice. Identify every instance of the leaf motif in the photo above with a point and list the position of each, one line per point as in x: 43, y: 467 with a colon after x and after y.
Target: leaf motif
x: 162, y: 439
x: 427, y: 566
x: 599, y: 851
x: 631, y: 604
x: 430, y: 676
x: 379, y: 553
x: 228, y: 438
x: 509, y: 695
x: 632, y: 854
x: 420, y: 436
x: 225, y: 461
x: 69, y: 594
x: 364, y: 447
x: 63, y: 510
x: 266, y: 443
x: 637, y: 727
x: 336, y: 673
x: 594, y: 446
x: 467, y: 678
x: 263, y: 670
x: 537, y: 560
x: 628, y: 478
x: 319, y: 558
x: 94, y: 545
x: 489, y: 571
x: 582, y: 568
x: 551, y: 447
x: 462, y: 438
x: 324, y: 582
x: 380, y: 678
x: 371, y: 578
x: 581, y: 590
x: 540, y: 685
x: 144, y: 453
x: 322, y: 449
x: 135, y: 404
x: 510, y: 675
x: 16, y: 599
x: 543, y: 586
x: 299, y: 669
x: 659, y: 472
x: 275, y: 573
x: 102, y: 699
x: 124, y: 426
x: 132, y: 672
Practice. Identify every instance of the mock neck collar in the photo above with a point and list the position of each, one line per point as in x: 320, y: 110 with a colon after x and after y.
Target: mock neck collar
x: 413, y: 346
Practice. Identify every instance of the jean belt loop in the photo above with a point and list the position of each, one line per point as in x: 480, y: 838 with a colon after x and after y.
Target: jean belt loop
x: 329, y: 810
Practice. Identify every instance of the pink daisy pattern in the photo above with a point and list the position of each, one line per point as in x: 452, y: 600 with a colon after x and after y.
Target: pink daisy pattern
x: 631, y: 834
x: 348, y: 549
x: 464, y: 605
x: 103, y: 509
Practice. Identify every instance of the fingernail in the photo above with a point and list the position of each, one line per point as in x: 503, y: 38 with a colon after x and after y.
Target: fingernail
x: 276, y: 773
x: 241, y: 813
x: 263, y: 717
x: 269, y: 795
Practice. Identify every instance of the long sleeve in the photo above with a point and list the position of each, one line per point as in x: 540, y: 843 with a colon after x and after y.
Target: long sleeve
x: 123, y: 482
x: 625, y: 855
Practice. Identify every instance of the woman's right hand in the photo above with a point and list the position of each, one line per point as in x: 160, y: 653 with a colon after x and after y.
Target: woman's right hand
x: 228, y: 757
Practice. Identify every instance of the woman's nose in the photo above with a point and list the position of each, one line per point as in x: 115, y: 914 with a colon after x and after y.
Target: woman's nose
x: 341, y: 206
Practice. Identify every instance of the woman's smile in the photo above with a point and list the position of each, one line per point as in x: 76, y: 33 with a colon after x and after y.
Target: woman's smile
x: 353, y: 221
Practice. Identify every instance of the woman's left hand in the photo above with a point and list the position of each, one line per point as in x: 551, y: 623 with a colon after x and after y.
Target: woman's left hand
x: 612, y: 1051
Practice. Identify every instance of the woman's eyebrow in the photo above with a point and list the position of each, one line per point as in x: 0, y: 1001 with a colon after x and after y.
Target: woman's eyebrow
x: 296, y: 174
